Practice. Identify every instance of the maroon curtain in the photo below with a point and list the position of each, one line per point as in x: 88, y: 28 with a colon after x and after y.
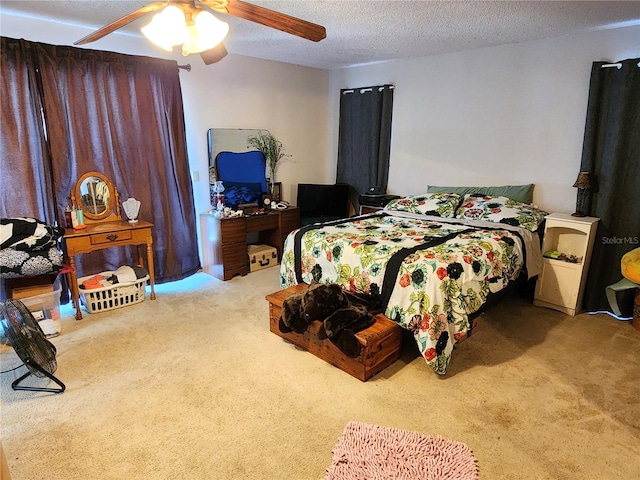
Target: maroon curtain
x: 24, y: 160
x: 121, y: 115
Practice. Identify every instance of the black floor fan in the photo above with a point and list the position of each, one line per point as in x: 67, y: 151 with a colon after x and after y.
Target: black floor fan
x: 28, y: 340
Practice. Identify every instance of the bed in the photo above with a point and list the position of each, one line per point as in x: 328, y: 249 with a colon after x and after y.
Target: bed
x: 434, y: 260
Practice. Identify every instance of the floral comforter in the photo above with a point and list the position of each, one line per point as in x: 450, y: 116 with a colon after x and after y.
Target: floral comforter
x: 430, y: 274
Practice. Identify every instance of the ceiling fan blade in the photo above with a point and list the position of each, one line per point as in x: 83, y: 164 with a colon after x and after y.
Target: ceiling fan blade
x: 214, y: 54
x: 121, y: 22
x: 271, y: 18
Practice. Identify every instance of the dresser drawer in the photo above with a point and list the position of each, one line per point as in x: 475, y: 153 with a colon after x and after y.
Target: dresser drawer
x: 260, y: 223
x: 232, y: 230
x: 235, y: 256
x: 111, y: 237
x: 289, y: 220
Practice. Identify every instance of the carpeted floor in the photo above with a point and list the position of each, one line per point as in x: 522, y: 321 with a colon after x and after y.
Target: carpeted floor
x: 194, y: 386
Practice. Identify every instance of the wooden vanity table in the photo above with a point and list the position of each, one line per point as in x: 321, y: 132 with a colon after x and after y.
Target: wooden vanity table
x: 103, y: 228
x: 107, y: 235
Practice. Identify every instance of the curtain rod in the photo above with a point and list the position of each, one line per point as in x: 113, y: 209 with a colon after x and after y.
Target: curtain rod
x: 368, y: 89
x: 186, y: 67
x: 616, y: 65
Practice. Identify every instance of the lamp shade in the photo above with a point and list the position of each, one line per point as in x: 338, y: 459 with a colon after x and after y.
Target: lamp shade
x: 205, y: 33
x: 166, y: 28
x: 583, y: 181
x: 196, y: 32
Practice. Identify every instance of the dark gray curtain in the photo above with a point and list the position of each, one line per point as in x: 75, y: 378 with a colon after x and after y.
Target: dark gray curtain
x: 121, y: 115
x: 611, y: 153
x: 364, y: 139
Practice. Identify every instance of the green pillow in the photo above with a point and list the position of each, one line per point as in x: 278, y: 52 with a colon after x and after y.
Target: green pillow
x: 520, y: 193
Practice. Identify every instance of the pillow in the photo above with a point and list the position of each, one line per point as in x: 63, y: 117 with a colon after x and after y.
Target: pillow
x: 521, y: 193
x: 436, y: 204
x: 501, y: 210
x: 630, y: 265
x: 256, y: 187
x: 27, y: 233
x: 29, y: 263
x: 236, y: 193
x: 234, y: 196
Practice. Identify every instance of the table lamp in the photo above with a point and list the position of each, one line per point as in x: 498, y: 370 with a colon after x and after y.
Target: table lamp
x: 582, y: 183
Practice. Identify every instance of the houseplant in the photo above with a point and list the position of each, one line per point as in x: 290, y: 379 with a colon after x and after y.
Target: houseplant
x: 272, y: 149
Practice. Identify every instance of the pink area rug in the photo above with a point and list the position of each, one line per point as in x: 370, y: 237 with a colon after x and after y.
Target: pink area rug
x: 372, y: 452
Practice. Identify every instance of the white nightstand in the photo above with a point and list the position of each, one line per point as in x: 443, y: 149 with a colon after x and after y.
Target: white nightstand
x: 561, y: 284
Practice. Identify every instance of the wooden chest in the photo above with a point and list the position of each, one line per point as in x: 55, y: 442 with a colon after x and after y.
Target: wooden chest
x: 381, y: 342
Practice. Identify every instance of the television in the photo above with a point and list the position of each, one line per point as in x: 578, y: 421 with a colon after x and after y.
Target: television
x: 322, y: 203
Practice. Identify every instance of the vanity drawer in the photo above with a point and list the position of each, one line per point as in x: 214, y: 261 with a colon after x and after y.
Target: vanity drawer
x: 232, y: 230
x: 258, y: 223
x: 235, y: 256
x: 111, y: 237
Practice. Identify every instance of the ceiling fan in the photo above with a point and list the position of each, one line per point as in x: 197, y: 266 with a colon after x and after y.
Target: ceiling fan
x: 199, y: 31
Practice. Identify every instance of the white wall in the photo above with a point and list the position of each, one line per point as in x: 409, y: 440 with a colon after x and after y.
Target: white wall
x: 289, y: 101
x: 238, y: 92
x: 510, y: 114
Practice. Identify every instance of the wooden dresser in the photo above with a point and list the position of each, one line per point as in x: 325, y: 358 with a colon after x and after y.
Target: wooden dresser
x: 224, y: 240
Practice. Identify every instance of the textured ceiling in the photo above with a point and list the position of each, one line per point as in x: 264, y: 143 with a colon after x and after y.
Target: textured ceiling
x: 360, y: 31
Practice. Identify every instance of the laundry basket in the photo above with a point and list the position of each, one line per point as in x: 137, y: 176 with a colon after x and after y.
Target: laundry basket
x: 115, y: 296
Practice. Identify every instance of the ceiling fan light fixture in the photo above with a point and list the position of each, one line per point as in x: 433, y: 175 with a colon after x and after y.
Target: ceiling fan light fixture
x: 189, y: 24
x: 166, y: 28
x: 204, y: 33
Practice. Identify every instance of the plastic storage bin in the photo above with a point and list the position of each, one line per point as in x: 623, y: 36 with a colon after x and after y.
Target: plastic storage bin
x: 45, y: 308
x: 115, y: 296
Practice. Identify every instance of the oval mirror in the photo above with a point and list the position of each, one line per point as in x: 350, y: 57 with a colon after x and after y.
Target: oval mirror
x: 95, y: 195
